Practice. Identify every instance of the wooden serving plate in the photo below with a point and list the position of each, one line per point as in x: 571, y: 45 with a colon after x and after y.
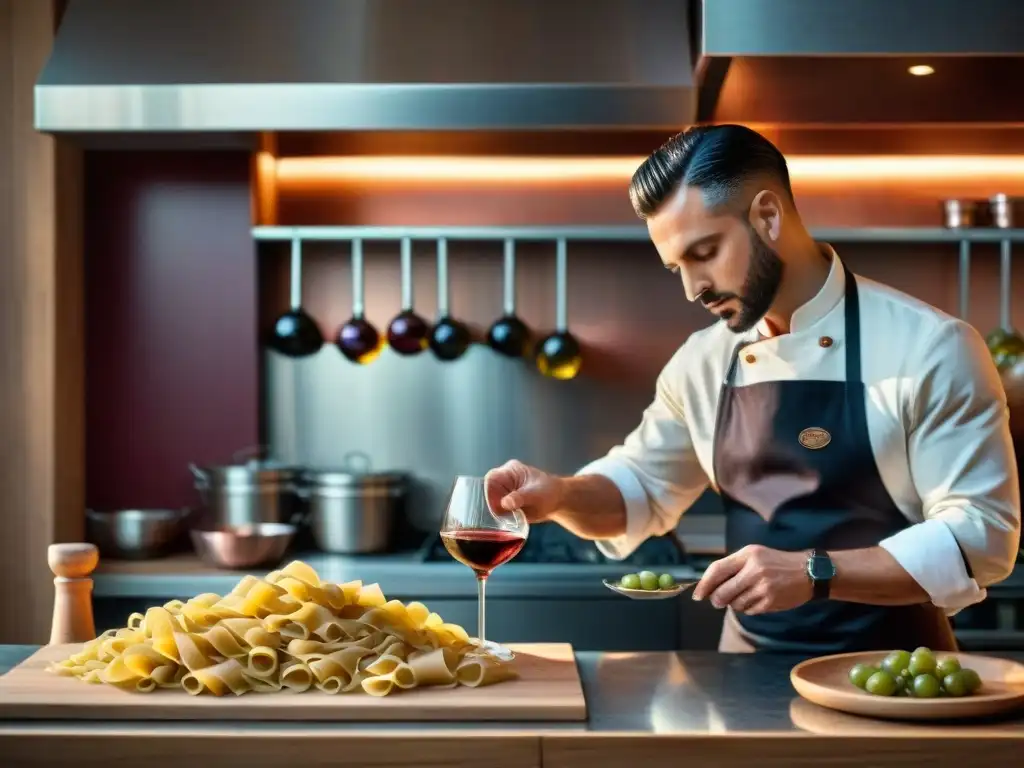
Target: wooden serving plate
x: 825, y: 681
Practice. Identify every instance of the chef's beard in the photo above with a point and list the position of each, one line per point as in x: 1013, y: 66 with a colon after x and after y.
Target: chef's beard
x: 760, y: 286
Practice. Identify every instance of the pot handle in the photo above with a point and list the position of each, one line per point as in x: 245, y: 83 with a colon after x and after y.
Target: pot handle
x: 357, y: 461
x: 302, y: 492
x: 202, y: 483
x: 253, y: 452
x: 202, y: 478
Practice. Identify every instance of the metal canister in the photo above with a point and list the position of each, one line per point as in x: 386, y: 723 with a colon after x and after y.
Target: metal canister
x: 1001, y: 207
x: 958, y: 213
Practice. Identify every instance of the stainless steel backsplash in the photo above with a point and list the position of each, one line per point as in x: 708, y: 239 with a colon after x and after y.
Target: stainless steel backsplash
x: 437, y: 420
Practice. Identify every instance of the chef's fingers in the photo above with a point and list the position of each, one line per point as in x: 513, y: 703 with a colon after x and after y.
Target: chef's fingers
x: 746, y: 600
x: 527, y: 498
x: 499, y: 482
x: 731, y: 589
x: 718, y: 572
x: 760, y: 604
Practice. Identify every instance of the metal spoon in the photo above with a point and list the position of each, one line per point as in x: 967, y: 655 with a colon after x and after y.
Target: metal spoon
x: 509, y: 335
x: 449, y: 338
x: 357, y: 339
x: 295, y: 333
x: 408, y: 332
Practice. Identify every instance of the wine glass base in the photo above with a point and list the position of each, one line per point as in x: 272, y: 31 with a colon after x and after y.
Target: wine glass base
x: 494, y: 649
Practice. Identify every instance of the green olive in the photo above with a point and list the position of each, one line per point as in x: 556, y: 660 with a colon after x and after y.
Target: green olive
x: 926, y: 686
x: 946, y: 666
x: 954, y: 684
x: 881, y: 684
x: 648, y: 580
x: 971, y: 679
x: 922, y: 662
x: 630, y: 581
x: 896, y: 662
x: 860, y: 673
x: 665, y: 581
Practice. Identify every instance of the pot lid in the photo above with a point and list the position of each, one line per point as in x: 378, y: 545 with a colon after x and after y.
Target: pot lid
x: 249, y: 464
x: 354, y: 470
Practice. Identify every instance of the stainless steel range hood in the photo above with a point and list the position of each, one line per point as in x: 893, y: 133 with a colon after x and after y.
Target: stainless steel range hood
x: 862, y: 28
x: 825, y: 63
x: 177, y: 66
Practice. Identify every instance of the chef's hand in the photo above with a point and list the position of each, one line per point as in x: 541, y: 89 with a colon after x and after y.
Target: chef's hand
x: 515, y: 485
x: 756, y: 579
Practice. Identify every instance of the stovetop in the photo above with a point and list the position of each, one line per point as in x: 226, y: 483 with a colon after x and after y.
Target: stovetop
x: 550, y: 543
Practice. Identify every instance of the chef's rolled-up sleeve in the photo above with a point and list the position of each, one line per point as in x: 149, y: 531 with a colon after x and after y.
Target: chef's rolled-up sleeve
x: 964, y: 469
x: 655, y: 469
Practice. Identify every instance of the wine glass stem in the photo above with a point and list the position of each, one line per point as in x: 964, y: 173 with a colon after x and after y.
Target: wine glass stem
x: 481, y: 589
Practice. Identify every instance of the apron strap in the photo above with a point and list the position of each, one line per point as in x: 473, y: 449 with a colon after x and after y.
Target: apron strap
x: 852, y: 328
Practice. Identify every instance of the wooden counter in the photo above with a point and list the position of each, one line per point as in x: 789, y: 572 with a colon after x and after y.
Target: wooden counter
x: 644, y: 709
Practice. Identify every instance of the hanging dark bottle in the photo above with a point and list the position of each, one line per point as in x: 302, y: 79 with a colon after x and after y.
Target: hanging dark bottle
x: 357, y: 339
x: 558, y: 355
x: 295, y: 333
x: 449, y: 338
x: 408, y: 333
x: 509, y: 335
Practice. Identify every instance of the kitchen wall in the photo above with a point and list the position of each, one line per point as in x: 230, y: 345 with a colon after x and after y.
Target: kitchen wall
x: 177, y: 292
x: 172, y: 360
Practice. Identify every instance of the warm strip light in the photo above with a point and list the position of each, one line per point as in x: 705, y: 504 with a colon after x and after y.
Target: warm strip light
x: 440, y: 169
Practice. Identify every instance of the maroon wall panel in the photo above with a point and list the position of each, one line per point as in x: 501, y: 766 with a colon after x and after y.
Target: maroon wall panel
x: 171, y: 303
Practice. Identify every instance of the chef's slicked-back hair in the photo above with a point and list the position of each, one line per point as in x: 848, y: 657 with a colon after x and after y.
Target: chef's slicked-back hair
x: 717, y: 159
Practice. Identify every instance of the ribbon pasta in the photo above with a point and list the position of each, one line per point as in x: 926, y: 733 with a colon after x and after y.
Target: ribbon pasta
x: 288, y: 632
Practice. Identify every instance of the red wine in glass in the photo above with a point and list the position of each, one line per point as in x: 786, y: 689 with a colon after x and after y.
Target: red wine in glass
x: 481, y: 540
x: 482, y: 549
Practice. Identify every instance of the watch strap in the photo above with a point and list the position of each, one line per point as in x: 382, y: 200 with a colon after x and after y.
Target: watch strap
x: 822, y: 587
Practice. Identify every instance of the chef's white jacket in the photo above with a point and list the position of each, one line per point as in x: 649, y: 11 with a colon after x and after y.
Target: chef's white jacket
x: 936, y: 415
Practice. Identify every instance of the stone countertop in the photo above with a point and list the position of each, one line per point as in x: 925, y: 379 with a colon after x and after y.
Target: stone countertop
x: 647, y: 707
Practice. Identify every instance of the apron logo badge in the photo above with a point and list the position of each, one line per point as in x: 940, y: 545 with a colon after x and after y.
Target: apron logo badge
x: 814, y: 438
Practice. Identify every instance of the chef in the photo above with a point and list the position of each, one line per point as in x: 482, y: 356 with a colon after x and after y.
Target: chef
x: 858, y: 437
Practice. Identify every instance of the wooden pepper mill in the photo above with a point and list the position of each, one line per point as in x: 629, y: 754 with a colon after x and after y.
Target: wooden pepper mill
x: 72, y: 565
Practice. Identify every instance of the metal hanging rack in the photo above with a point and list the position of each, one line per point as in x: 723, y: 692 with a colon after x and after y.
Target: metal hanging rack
x: 894, y: 235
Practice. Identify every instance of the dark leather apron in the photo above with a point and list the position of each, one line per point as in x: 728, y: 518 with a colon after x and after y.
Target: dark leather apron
x: 795, y: 469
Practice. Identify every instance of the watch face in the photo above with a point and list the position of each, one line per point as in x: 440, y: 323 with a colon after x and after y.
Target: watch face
x: 821, y: 568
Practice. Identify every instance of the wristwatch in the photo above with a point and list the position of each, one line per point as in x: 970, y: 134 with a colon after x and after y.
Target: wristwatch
x: 820, y: 569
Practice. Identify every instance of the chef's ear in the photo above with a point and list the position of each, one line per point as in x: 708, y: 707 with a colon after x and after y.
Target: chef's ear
x: 766, y: 215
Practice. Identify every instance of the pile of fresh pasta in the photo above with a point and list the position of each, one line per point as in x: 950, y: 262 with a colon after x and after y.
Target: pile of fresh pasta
x: 287, y: 632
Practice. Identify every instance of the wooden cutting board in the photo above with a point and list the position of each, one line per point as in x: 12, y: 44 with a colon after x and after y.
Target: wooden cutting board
x: 548, y: 689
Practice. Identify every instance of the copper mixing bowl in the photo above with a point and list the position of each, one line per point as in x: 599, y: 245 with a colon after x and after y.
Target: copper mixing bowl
x: 243, y: 546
